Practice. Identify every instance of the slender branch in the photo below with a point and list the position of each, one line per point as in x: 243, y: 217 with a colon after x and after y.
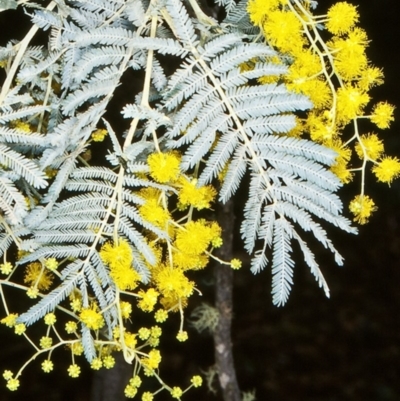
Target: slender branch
x: 22, y: 46
x: 224, y: 304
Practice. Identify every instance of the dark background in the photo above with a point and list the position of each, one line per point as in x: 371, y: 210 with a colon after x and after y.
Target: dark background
x: 343, y: 348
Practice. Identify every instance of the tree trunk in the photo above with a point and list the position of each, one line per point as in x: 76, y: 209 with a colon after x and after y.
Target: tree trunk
x: 224, y: 304
x: 109, y: 384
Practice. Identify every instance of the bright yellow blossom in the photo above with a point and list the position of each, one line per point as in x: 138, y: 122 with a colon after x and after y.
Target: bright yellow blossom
x: 51, y: 264
x: 173, y: 284
x: 91, y: 318
x: 147, y: 396
x: 130, y: 391
x: 153, y: 359
x: 148, y: 299
x: 150, y: 193
x: 370, y: 146
x: 154, y: 213
x: 350, y: 63
x: 76, y: 304
x: 258, y: 9
x: 357, y: 37
x: 130, y: 340
x: 341, y: 170
x: 306, y: 64
x: 117, y: 254
x: 156, y: 331
x: 10, y: 320
x: 109, y: 362
x: 96, y: 363
x: 99, y: 135
x: 362, y: 206
x: 36, y: 275
x: 387, y: 169
x: 19, y: 328
x: 135, y: 381
x: 164, y: 167
x: 119, y: 258
x: 6, y: 268
x: 196, y: 381
x: 176, y: 392
x: 192, y: 195
x: 371, y: 76
x: 126, y: 309
x: 316, y: 89
x: 236, y: 264
x: 46, y: 342
x: 341, y: 17
x: 32, y: 292
x: 74, y: 370
x: 161, y: 316
x: 77, y: 348
x: 50, y: 318
x: 351, y: 101
x: 47, y: 366
x: 13, y: 384
x: 7, y: 374
x: 188, y: 261
x: 320, y: 128
x: 21, y: 126
x: 71, y: 327
x: 182, y: 336
x: 382, y: 115
x: 144, y: 333
x: 284, y: 30
x: 196, y: 236
x: 353, y: 45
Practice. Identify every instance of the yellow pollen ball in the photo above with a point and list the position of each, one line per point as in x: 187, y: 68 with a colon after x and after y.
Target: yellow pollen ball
x: 341, y: 17
x: 91, y: 318
x: 164, y: 167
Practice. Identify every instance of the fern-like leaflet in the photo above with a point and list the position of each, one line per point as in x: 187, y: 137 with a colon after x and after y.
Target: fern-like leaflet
x: 212, y: 108
x: 229, y: 124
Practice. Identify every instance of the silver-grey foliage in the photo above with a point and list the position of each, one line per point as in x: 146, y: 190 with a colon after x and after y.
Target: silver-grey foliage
x: 211, y: 108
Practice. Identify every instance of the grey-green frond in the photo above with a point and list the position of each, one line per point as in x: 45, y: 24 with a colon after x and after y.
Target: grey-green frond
x: 229, y: 126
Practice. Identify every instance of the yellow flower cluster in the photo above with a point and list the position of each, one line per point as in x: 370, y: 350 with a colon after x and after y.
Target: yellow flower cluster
x: 6, y: 268
x: 118, y: 257
x: 387, y: 169
x: 99, y: 135
x: 362, y: 206
x: 37, y: 276
x: 171, y: 210
x: 341, y: 18
x: 164, y: 167
x: 152, y: 360
x: 337, y: 76
x: 148, y: 299
x: 21, y: 126
x: 198, y: 197
x: 132, y: 387
x: 47, y: 366
x: 10, y: 320
x: 152, y: 210
x: 174, y: 286
x: 188, y: 245
x: 12, y: 382
x: 92, y: 318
